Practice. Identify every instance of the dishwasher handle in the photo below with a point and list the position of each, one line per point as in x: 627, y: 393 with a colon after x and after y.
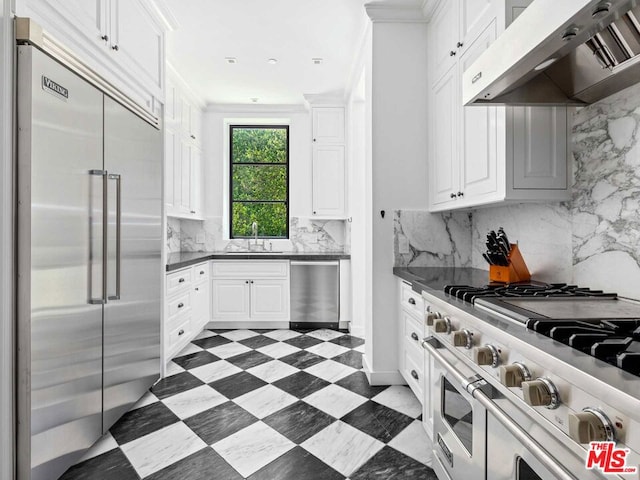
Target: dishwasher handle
x: 331, y: 263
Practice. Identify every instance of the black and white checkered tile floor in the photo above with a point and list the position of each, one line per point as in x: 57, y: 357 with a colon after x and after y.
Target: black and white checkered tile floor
x: 265, y: 405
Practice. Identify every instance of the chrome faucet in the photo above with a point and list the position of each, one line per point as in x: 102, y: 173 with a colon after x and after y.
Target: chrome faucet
x: 254, y: 231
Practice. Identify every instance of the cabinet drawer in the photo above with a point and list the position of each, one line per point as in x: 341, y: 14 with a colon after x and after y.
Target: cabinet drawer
x: 201, y: 272
x: 250, y: 269
x: 413, y: 366
x: 179, y: 304
x: 178, y: 335
x: 413, y: 330
x: 411, y: 300
x: 178, y: 281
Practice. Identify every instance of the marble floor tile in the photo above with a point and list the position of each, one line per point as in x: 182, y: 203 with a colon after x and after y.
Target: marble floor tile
x: 389, y: 464
x: 257, y: 342
x: 210, y: 342
x: 377, y: 420
x: 147, y: 399
x: 330, y: 371
x: 173, y: 368
x: 238, y: 384
x: 343, y: 447
x: 358, y: 383
x: 193, y: 360
x: 175, y: 384
x: 104, y: 444
x: 237, y: 335
x: 252, y: 448
x: 301, y: 384
x: 359, y: 349
x: 205, y: 464
x: 414, y: 442
x: 229, y: 350
x: 191, y: 348
x: 297, y: 464
x: 196, y: 400
x: 335, y: 400
x: 205, y: 334
x: 400, y: 398
x: 142, y: 421
x: 249, y: 359
x: 219, y: 422
x: 351, y: 358
x: 112, y: 465
x: 278, y: 350
x: 265, y: 400
x: 348, y: 341
x: 272, y: 371
x: 303, y: 341
x: 215, y: 371
x: 160, y: 449
x: 325, y: 334
x: 282, y: 335
x: 299, y: 421
x: 302, y: 359
x: 327, y: 349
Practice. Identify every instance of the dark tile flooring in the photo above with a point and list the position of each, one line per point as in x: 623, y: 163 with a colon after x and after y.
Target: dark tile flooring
x: 265, y: 405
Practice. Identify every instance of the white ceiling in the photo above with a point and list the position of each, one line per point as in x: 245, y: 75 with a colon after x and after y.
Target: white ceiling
x: 292, y: 31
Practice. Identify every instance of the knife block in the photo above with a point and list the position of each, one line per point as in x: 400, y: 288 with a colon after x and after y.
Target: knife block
x: 517, y: 270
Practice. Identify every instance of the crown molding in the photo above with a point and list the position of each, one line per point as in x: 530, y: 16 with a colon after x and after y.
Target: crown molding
x: 254, y: 108
x: 324, y: 99
x: 429, y: 7
x: 164, y: 14
x: 403, y: 11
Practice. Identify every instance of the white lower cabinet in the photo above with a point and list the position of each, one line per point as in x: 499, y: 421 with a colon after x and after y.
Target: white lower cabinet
x: 230, y: 299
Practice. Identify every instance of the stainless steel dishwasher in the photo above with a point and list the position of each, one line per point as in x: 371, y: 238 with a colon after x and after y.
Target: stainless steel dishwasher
x: 315, y: 294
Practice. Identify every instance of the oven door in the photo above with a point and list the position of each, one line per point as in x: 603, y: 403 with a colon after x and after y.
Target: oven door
x: 459, y: 424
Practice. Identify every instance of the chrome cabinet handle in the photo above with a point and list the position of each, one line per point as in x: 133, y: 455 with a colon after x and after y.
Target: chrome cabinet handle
x: 193, y: 136
x: 105, y: 38
x: 452, y: 53
x: 201, y: 272
x: 180, y: 305
x: 193, y: 211
x: 414, y: 374
x: 115, y: 47
x: 98, y: 246
x: 459, y: 44
x: 118, y: 179
x: 181, y: 332
x: 460, y: 194
x: 412, y: 301
x: 414, y: 336
x: 181, y: 280
x: 453, y: 195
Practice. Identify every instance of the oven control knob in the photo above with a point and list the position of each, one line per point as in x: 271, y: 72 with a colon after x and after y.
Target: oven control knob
x: 442, y: 325
x: 487, y: 355
x: 513, y: 375
x: 463, y: 338
x: 430, y: 317
x: 541, y: 393
x: 591, y: 425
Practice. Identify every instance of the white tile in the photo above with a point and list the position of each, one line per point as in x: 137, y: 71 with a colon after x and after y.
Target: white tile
x: 105, y: 444
x: 161, y: 448
x: 147, y: 399
x: 173, y: 369
x: 335, y: 400
x: 400, y: 398
x: 229, y: 350
x: 272, y: 371
x: 214, y: 371
x: 282, y: 335
x: 265, y: 400
x: 237, y: 335
x: 205, y: 334
x: 196, y: 400
x: 343, y: 447
x: 327, y: 349
x: 252, y: 448
x: 330, y: 371
x: 325, y: 334
x: 360, y: 349
x: 189, y: 349
x: 414, y: 442
x: 278, y: 350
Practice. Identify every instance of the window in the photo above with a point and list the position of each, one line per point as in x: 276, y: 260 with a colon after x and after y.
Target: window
x: 259, y: 181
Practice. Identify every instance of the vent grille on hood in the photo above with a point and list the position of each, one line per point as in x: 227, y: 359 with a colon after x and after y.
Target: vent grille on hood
x: 619, y: 42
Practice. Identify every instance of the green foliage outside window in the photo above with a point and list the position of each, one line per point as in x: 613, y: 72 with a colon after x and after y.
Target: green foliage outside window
x: 259, y: 180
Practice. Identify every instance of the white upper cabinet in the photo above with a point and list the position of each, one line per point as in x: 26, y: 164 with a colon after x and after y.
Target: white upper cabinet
x: 88, y: 16
x: 443, y: 39
x: 328, y: 125
x: 474, y: 15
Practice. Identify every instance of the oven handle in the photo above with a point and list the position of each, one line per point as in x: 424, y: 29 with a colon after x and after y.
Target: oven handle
x: 432, y: 345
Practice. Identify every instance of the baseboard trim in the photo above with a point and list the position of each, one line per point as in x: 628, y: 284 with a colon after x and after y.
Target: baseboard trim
x: 356, y: 331
x: 381, y: 378
x: 240, y: 324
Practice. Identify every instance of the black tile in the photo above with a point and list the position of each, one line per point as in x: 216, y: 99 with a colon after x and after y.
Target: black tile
x: 263, y: 330
x: 112, y: 465
x: 377, y: 420
x: 348, y: 341
x: 351, y: 358
x: 303, y: 341
x: 221, y: 330
x: 238, y: 384
x: 296, y: 464
x: 220, y: 422
x: 257, y: 341
x: 357, y: 382
x: 299, y: 421
x: 195, y: 360
x: 175, y: 384
x: 390, y: 464
x: 249, y: 359
x: 302, y: 359
x: 142, y: 421
x: 211, y: 342
x: 301, y: 384
x: 203, y: 465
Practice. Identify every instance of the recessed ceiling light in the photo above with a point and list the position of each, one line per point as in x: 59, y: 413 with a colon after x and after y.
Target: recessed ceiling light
x: 254, y: 100
x: 231, y: 59
x: 272, y: 61
x: 316, y: 61
x: 545, y: 64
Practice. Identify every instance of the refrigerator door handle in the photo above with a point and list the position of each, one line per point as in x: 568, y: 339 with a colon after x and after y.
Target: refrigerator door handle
x: 118, y: 179
x: 98, y: 243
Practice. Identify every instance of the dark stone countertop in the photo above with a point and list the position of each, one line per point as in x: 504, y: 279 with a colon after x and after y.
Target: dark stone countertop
x: 179, y: 260
x: 435, y: 278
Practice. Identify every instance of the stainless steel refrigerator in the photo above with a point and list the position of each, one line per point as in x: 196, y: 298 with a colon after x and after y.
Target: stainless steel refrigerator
x: 89, y: 263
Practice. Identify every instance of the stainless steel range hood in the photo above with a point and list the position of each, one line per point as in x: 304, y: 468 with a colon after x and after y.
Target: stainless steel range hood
x: 559, y: 52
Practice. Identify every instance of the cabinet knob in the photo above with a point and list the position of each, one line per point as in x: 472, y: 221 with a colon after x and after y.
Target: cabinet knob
x: 251, y: 281
x: 201, y: 272
x: 246, y: 281
x: 314, y: 139
x: 414, y: 336
x: 414, y: 374
x: 181, y: 280
x: 412, y: 301
x: 452, y: 53
x: 193, y: 136
x: 459, y: 44
x: 181, y: 332
x: 180, y: 305
x: 460, y: 194
x: 453, y: 195
x: 105, y: 38
x: 115, y: 47
x: 197, y: 289
x: 314, y: 212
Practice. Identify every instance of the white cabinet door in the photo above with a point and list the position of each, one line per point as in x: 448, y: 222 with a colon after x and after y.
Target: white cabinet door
x: 200, y: 305
x: 89, y: 17
x: 229, y: 299
x: 186, y: 178
x: 269, y: 299
x: 195, y: 124
x: 443, y: 39
x: 171, y: 144
x: 328, y: 195
x: 196, y: 181
x: 328, y: 125
x: 172, y: 107
x: 444, y: 167
x: 474, y: 16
